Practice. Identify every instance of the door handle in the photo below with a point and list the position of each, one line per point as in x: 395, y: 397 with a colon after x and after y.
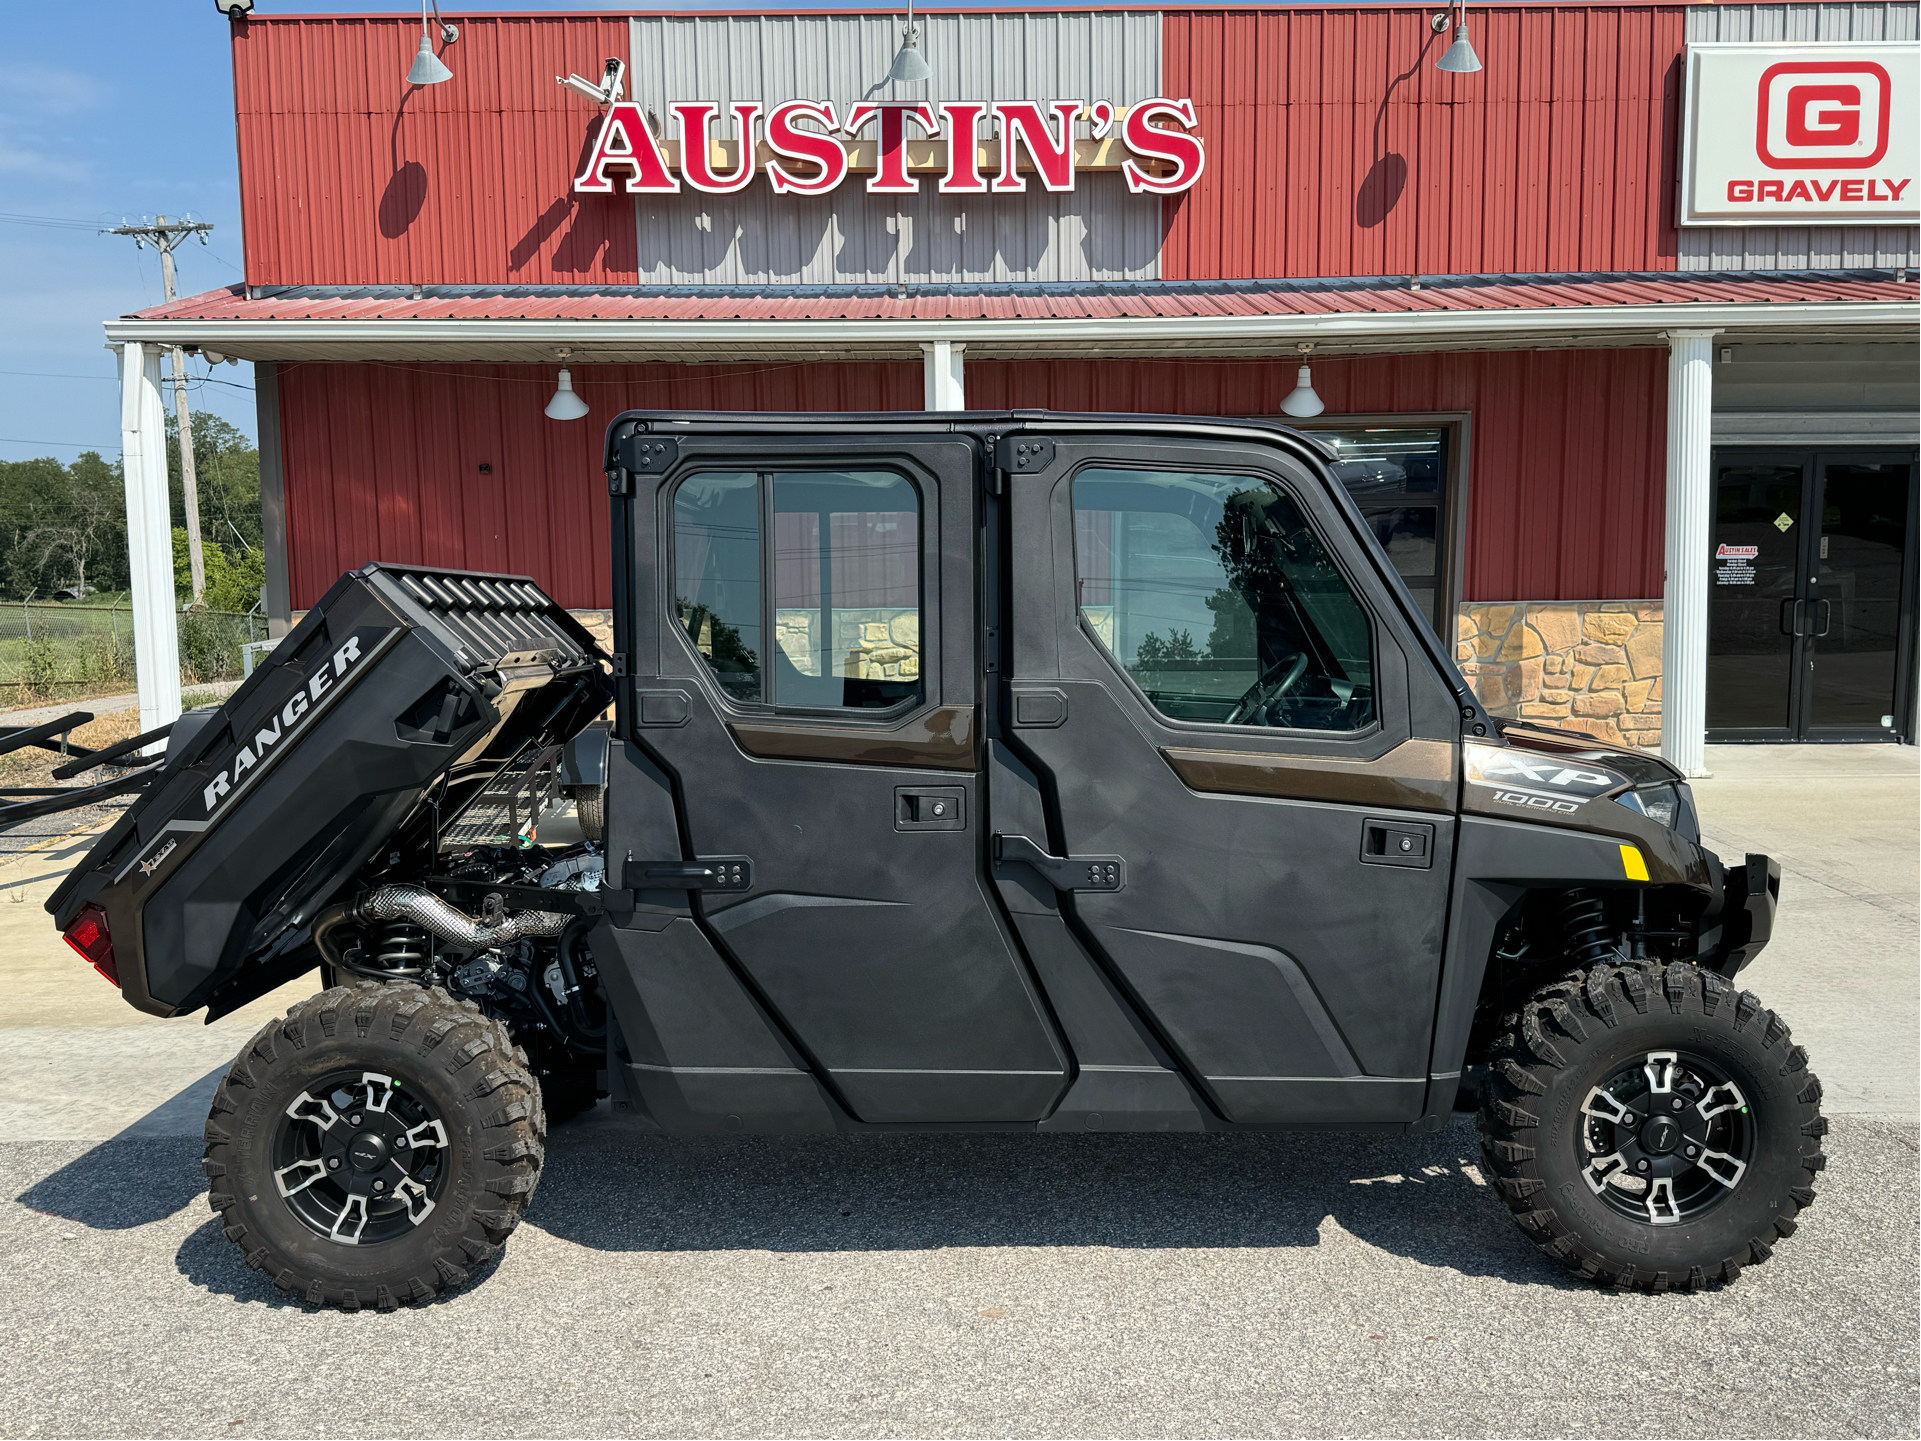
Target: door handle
x: 710, y: 873
x: 1063, y: 873
x: 1791, y: 617
x: 1827, y: 620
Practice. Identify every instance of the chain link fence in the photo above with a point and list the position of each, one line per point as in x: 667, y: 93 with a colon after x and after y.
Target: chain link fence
x: 49, y: 651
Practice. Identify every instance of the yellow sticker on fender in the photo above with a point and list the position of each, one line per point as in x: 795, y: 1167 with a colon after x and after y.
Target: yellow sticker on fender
x: 1633, y: 864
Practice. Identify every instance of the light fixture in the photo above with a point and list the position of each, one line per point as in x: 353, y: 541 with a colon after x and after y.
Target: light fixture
x: 1460, y: 57
x: 427, y: 69
x: 566, y: 405
x: 909, y: 64
x: 1301, y: 400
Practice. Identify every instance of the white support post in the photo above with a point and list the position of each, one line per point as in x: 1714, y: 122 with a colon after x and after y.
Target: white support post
x: 945, y: 375
x: 1684, y: 610
x: 143, y: 454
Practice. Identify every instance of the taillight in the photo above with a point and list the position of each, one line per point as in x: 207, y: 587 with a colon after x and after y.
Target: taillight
x: 88, y: 935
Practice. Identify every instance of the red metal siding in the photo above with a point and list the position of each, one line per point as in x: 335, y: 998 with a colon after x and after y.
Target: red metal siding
x: 1568, y: 453
x: 349, y: 178
x: 1336, y: 148
x: 382, y: 462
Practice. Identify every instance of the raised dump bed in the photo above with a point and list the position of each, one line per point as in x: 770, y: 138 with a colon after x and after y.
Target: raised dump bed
x: 393, y: 703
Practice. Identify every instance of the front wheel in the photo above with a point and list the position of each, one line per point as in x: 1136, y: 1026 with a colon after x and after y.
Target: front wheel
x: 1651, y: 1127
x: 374, y: 1146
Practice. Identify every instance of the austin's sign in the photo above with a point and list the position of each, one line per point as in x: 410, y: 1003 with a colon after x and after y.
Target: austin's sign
x: 1801, y: 134
x: 808, y: 147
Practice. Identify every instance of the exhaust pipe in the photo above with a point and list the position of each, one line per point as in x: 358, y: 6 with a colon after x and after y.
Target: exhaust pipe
x: 431, y: 913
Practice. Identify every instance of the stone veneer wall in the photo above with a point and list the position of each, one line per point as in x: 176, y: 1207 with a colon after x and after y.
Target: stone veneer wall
x: 1585, y: 665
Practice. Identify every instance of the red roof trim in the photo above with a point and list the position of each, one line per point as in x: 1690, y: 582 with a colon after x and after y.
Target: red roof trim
x: 1017, y: 303
x: 936, y: 7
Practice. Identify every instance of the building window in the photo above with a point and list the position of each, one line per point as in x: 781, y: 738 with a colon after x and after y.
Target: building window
x: 1398, y: 476
x: 838, y: 593
x: 1217, y: 597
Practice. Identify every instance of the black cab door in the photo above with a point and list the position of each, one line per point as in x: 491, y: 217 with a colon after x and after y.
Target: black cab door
x: 799, y: 634
x: 1246, y: 765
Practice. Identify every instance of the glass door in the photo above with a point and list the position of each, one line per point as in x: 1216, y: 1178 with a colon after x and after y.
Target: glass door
x: 1855, y: 597
x: 1754, y: 645
x: 1811, y: 596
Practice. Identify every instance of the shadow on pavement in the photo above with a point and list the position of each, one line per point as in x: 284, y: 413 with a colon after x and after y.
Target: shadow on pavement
x: 144, y: 1174
x: 614, y: 1188
x: 1417, y: 1196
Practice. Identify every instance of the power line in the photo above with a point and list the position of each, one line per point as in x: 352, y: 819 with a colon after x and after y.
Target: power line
x: 192, y: 379
x: 68, y: 444
x: 51, y: 222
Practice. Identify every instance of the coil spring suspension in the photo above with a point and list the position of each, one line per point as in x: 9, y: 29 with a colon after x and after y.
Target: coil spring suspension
x: 401, y: 949
x: 1590, y: 940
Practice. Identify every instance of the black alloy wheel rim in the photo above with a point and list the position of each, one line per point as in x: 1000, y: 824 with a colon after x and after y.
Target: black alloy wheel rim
x: 359, y: 1159
x: 1665, y: 1138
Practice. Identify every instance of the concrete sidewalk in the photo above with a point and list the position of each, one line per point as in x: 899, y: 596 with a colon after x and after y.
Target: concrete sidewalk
x: 1845, y: 824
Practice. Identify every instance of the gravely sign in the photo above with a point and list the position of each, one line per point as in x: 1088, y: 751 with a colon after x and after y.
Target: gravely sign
x: 806, y: 147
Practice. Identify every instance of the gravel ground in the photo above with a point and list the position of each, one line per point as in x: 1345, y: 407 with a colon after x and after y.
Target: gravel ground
x: 33, y: 766
x: 961, y: 1285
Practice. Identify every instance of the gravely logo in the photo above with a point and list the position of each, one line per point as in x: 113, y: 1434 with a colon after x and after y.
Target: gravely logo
x: 281, y: 727
x: 807, y: 147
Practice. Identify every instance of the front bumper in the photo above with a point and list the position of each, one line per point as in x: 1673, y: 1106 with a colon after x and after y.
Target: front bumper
x: 1749, y: 896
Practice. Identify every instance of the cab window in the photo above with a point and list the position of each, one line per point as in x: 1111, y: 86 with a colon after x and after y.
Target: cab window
x: 802, y: 588
x: 1217, y: 597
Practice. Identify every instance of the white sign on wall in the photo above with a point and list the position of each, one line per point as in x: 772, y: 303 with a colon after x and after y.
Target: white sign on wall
x: 1803, y: 134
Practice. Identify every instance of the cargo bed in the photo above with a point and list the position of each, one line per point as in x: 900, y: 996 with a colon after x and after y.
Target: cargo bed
x: 386, y: 711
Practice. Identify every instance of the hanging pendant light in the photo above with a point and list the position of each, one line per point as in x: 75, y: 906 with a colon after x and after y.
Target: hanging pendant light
x: 566, y: 405
x: 1460, y: 57
x: 427, y: 69
x: 1301, y: 401
x: 909, y: 64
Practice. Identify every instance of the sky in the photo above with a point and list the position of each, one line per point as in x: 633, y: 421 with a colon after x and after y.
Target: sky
x: 114, y: 111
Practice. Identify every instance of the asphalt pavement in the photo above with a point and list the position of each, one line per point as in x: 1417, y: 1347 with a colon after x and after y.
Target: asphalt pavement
x: 1277, y: 1284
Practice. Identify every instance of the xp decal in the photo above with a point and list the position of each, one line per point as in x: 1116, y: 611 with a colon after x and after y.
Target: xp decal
x: 1514, y: 772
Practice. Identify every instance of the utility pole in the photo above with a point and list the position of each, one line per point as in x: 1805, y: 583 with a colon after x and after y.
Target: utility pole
x: 165, y: 238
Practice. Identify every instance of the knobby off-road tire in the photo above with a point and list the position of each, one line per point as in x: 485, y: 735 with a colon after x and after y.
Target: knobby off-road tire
x: 1544, y: 1105
x: 445, y: 1087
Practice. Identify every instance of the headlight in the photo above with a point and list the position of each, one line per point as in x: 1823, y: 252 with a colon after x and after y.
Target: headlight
x: 1667, y: 804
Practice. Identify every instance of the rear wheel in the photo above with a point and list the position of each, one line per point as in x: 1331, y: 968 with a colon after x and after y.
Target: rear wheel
x: 1651, y: 1127
x: 590, y: 809
x: 374, y: 1146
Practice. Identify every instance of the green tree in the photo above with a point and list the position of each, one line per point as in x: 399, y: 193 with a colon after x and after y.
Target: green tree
x: 226, y: 467
x: 234, y: 576
x: 62, y: 526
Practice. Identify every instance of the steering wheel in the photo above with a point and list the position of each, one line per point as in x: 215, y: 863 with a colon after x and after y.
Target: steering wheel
x: 1276, y: 681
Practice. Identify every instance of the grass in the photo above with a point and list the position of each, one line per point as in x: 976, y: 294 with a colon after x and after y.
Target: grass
x: 72, y: 651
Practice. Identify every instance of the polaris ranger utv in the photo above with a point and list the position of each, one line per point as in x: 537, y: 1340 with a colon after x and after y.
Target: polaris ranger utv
x: 985, y: 771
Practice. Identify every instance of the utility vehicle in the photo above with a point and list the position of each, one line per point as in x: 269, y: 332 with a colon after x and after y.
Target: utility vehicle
x: 982, y: 771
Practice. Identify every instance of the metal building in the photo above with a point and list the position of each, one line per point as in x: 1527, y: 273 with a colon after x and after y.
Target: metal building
x: 1624, y: 321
